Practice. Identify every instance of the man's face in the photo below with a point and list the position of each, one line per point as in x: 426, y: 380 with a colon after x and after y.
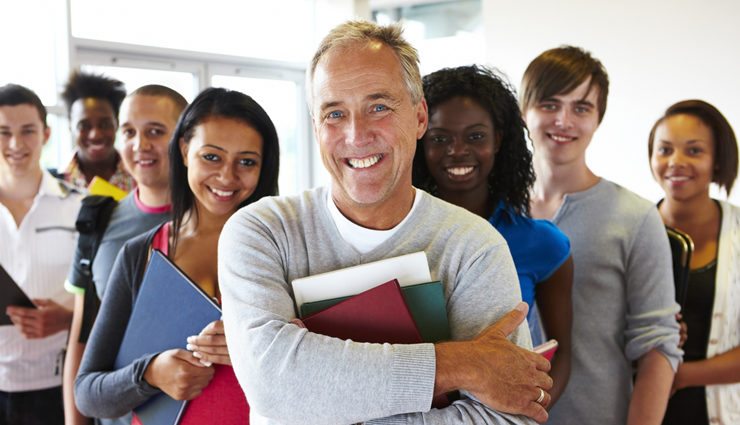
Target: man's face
x: 561, y: 126
x: 366, y: 125
x: 147, y: 123
x: 22, y: 138
x: 93, y: 127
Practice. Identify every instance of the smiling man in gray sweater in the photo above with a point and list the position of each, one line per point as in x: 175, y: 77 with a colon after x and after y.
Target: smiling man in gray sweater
x: 368, y: 111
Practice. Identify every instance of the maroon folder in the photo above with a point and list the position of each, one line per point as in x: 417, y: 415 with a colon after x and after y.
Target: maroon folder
x: 378, y: 315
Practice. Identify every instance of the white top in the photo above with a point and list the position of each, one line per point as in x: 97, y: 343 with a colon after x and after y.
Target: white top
x: 723, y: 401
x: 37, y: 255
x: 361, y: 238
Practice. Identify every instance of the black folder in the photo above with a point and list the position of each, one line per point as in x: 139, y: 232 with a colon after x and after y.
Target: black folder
x: 168, y: 309
x: 11, y: 294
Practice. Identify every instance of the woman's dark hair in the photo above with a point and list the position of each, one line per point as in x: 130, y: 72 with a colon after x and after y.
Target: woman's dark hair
x: 14, y: 95
x: 82, y: 85
x: 223, y: 103
x: 725, y: 143
x: 512, y: 176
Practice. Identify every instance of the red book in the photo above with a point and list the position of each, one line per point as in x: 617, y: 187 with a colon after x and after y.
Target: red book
x: 378, y: 315
x: 547, y: 349
x: 221, y: 402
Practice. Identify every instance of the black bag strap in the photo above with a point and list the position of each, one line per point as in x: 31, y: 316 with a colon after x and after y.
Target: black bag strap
x: 91, y: 223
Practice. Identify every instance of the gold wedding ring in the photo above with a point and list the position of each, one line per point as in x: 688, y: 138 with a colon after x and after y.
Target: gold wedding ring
x: 541, y: 398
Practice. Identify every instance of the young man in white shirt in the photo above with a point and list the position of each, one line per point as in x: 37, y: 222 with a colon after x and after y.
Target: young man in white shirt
x: 37, y: 230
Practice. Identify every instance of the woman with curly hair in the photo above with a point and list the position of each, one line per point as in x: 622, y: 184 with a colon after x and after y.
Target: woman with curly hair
x: 475, y: 155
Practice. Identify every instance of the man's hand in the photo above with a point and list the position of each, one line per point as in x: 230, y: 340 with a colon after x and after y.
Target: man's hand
x: 497, y: 372
x: 178, y: 373
x: 45, y: 320
x: 210, y: 345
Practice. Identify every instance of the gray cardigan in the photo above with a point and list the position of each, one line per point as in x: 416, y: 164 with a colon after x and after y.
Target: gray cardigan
x: 100, y: 391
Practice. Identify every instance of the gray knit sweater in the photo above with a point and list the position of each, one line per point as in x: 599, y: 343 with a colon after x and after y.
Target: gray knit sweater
x: 623, y: 300
x: 291, y: 375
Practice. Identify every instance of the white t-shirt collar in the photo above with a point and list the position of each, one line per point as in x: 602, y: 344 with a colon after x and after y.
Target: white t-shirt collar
x: 362, y: 238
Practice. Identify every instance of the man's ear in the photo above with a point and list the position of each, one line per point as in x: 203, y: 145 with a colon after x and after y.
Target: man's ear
x: 422, y: 118
x: 184, y: 150
x: 47, y: 134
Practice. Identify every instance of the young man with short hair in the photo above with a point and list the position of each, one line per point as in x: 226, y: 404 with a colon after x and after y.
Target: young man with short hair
x: 148, y: 118
x: 37, y: 234
x: 623, y: 302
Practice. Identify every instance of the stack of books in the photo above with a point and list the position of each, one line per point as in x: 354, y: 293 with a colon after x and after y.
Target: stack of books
x: 388, y: 301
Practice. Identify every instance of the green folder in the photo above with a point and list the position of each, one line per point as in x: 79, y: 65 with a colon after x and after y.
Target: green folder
x: 426, y: 302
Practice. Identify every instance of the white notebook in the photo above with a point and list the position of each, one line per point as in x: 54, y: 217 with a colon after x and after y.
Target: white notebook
x: 409, y: 269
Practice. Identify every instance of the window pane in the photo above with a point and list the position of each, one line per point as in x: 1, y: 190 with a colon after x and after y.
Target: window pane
x: 280, y: 99
x: 182, y: 82
x: 29, y: 29
x: 58, y: 149
x: 242, y: 28
x: 446, y: 34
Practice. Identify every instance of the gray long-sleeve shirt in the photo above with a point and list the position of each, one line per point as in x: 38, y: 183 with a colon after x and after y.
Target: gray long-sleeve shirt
x: 291, y: 375
x: 101, y: 391
x: 623, y: 300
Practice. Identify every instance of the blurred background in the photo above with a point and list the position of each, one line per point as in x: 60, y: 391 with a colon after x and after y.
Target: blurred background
x: 657, y: 52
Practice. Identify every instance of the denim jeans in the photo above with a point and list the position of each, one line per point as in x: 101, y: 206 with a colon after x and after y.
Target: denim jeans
x: 40, y: 407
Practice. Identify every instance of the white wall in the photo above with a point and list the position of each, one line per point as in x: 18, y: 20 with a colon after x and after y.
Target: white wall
x: 657, y: 52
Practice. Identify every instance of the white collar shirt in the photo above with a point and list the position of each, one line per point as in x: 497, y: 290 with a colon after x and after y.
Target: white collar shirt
x: 37, y: 255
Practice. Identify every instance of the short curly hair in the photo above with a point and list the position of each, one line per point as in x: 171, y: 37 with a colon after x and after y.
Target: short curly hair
x: 82, y: 85
x: 512, y: 176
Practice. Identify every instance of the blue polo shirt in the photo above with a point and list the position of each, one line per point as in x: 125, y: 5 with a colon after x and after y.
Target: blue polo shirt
x: 537, y: 246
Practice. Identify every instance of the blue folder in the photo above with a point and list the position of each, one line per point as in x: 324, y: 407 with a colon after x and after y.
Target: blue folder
x: 168, y: 309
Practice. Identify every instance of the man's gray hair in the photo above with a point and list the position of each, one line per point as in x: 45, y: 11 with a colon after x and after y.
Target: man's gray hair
x: 361, y: 31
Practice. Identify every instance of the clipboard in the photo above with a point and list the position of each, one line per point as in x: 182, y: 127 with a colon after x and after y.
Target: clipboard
x: 11, y: 294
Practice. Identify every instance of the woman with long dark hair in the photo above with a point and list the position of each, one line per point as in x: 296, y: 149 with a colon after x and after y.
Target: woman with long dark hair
x: 224, y: 155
